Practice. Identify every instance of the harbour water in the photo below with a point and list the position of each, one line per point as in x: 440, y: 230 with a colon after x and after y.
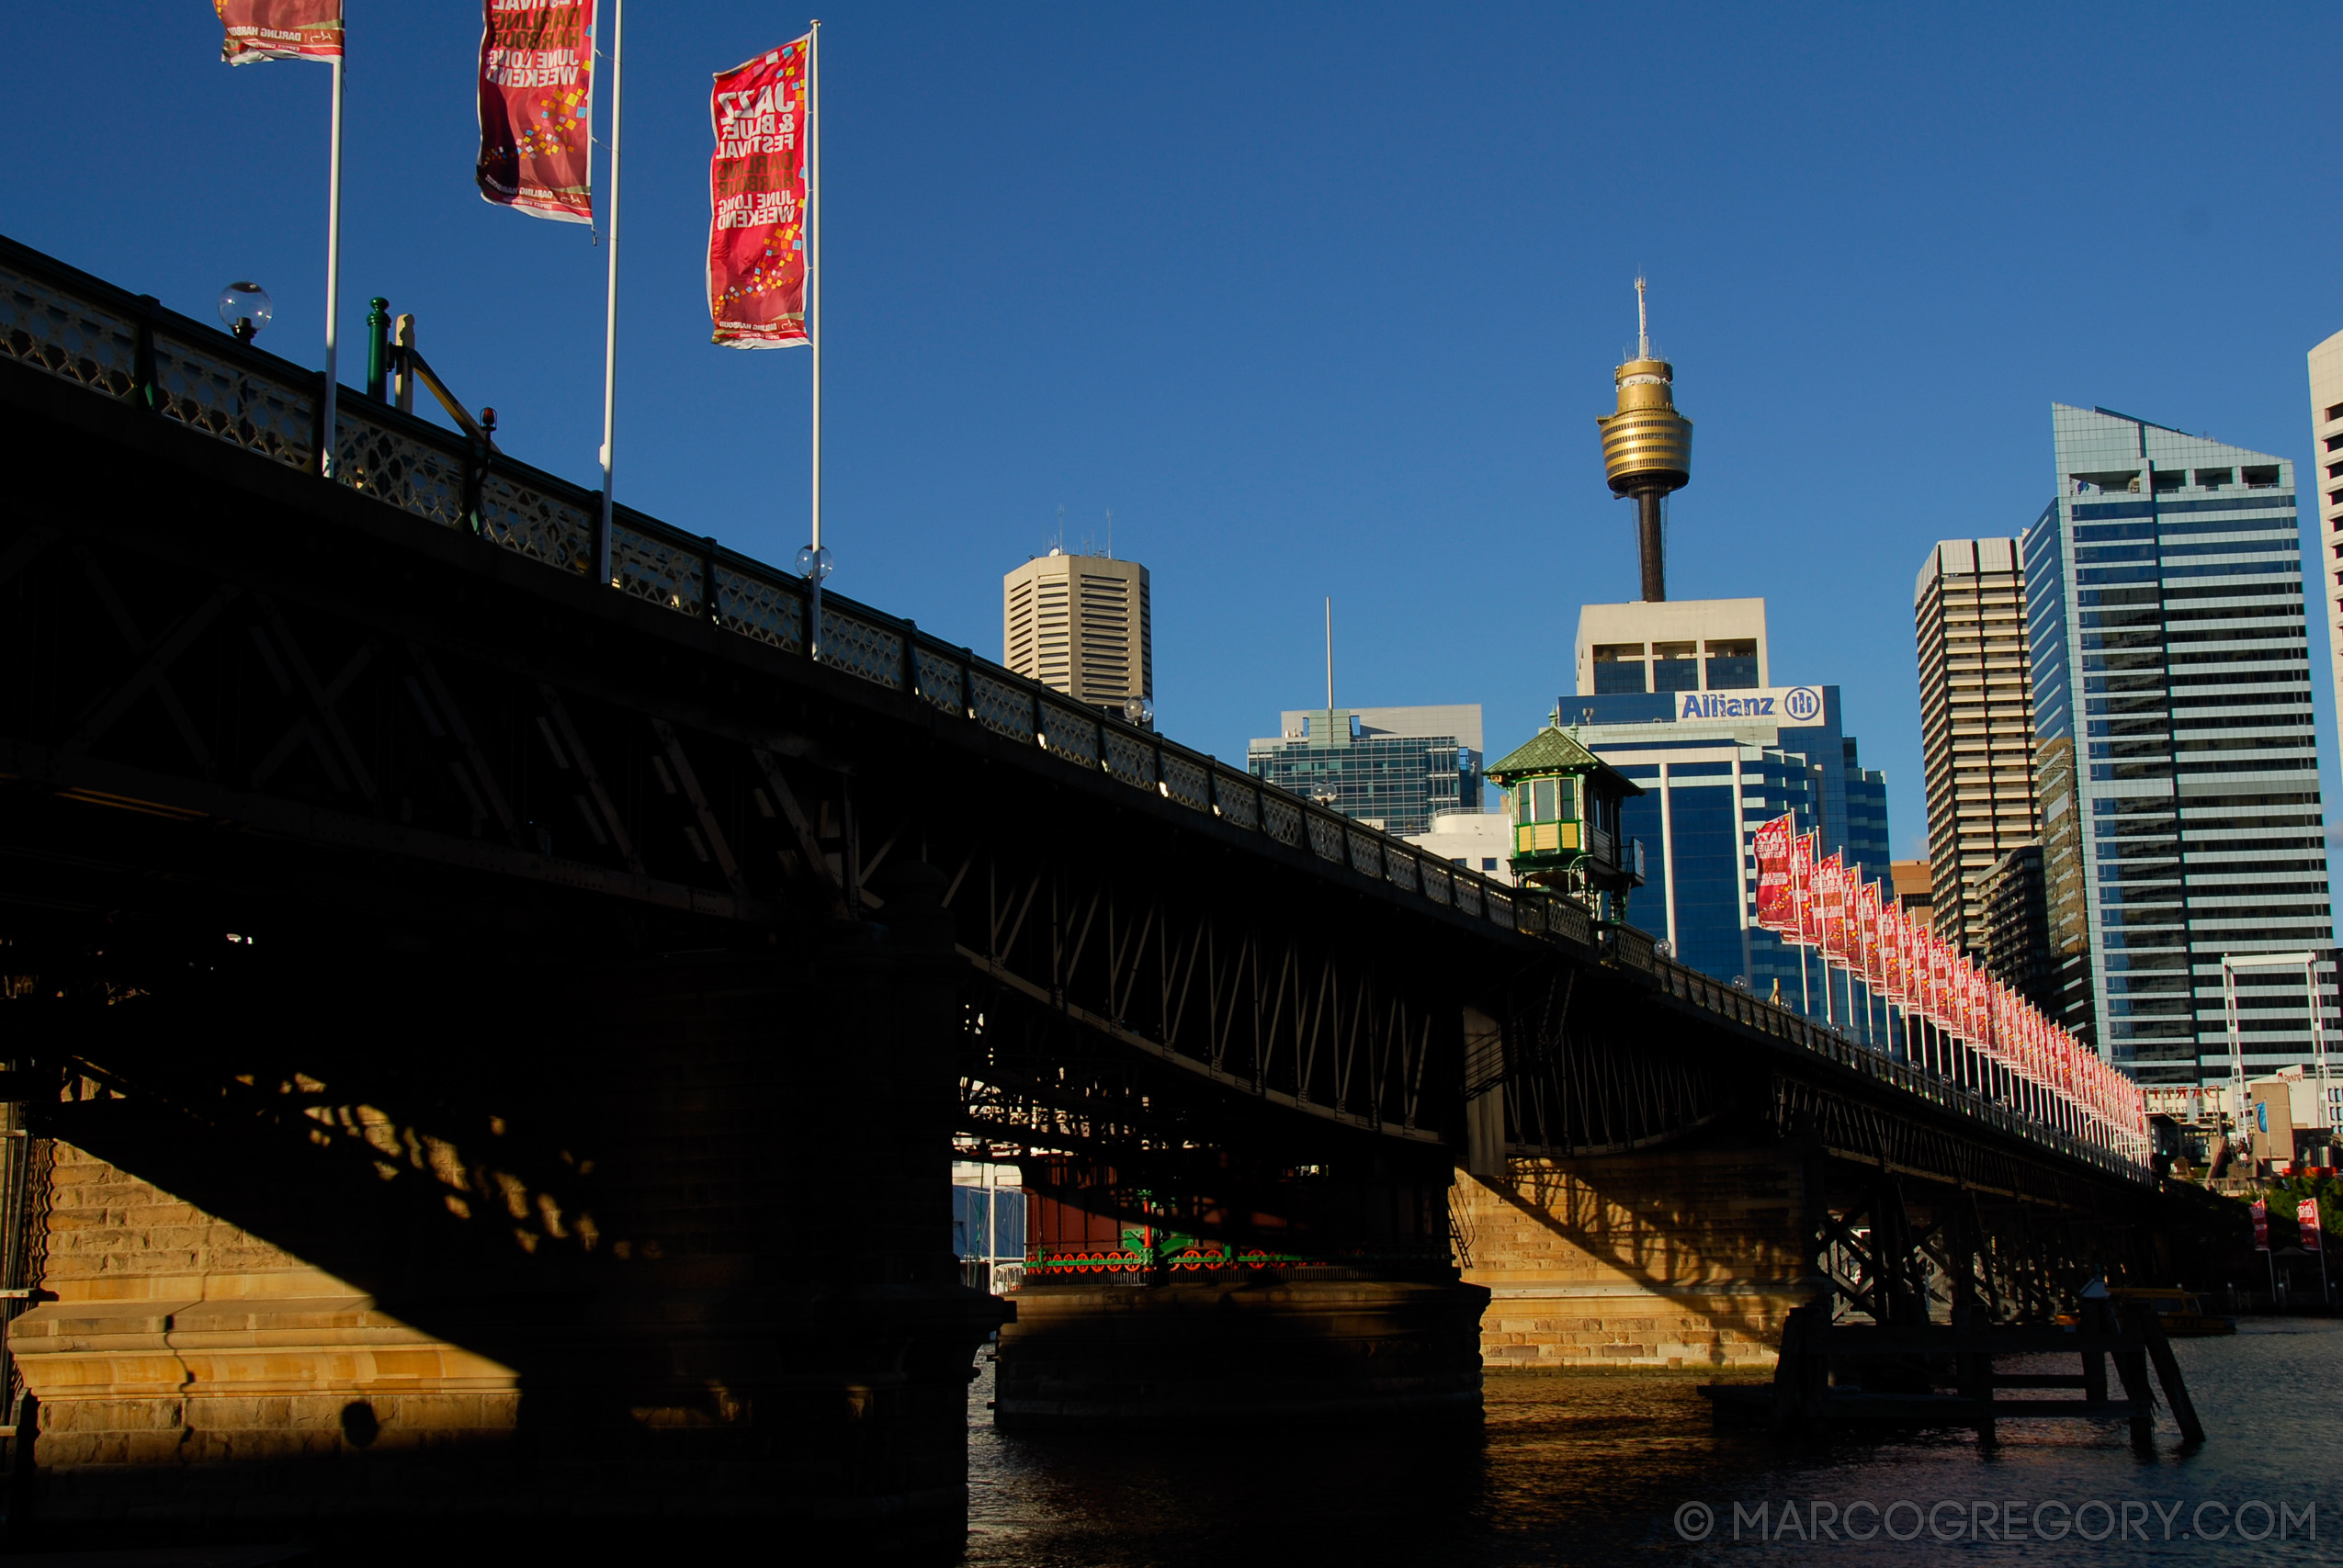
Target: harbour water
x: 1607, y: 1468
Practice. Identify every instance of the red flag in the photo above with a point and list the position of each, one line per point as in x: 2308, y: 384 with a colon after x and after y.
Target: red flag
x: 1802, y: 892
x: 758, y: 190
x: 1830, y: 881
x: 1898, y: 955
x: 1890, y: 978
x: 1871, y: 919
x: 1898, y: 952
x: 537, y: 106
x: 1776, y: 909
x: 279, y: 29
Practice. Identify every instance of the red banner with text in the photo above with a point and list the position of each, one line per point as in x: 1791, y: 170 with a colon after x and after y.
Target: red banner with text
x: 537, y: 106
x: 279, y: 29
x: 756, y: 201
x: 1809, y: 929
x: 1776, y: 911
x: 1868, y: 915
x: 1830, y: 883
x: 1891, y: 954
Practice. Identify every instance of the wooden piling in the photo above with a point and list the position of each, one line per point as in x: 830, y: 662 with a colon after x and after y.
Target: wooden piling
x: 1813, y: 1389
x: 2167, y: 1373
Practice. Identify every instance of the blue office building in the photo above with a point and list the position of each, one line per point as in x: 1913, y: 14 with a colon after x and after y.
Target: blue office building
x: 1392, y: 768
x: 2176, y: 757
x: 1718, y: 753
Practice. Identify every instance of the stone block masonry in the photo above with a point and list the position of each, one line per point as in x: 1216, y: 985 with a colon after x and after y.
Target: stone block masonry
x: 175, y: 1336
x: 1686, y: 1260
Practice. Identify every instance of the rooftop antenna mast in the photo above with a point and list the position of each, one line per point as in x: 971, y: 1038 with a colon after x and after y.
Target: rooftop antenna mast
x: 1110, y: 534
x: 1330, y: 663
x: 1643, y: 323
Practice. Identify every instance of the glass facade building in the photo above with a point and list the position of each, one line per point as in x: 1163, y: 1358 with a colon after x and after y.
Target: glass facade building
x: 1389, y: 768
x: 1709, y: 784
x: 2177, y: 763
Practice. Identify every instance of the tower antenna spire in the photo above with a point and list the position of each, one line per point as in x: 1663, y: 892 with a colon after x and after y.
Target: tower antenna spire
x: 1643, y: 323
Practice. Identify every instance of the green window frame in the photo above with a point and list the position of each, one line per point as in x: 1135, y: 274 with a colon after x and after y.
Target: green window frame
x: 1547, y: 799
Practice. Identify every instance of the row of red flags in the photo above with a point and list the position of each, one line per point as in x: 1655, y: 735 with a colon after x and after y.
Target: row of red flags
x: 1817, y: 901
x: 537, y: 128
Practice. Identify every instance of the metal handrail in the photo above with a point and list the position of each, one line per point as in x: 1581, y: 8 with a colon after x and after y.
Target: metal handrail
x: 94, y: 334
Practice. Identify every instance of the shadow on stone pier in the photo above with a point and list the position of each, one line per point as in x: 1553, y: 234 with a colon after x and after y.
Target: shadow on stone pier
x: 330, y: 1241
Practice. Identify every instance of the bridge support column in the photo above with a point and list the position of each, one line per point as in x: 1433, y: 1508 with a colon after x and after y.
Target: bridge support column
x: 1674, y: 1259
x: 668, y: 1239
x: 1158, y: 1355
x: 1240, y: 1289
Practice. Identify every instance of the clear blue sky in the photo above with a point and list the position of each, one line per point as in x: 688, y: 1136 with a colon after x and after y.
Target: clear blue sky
x: 1315, y: 298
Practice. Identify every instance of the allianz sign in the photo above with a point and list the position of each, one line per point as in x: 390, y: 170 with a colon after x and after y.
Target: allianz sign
x: 1777, y: 705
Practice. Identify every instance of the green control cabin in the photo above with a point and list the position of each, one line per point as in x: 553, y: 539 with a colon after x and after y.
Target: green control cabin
x: 1562, y: 807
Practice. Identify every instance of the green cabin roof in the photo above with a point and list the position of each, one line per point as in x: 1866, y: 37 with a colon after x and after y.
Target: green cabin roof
x: 1553, y: 750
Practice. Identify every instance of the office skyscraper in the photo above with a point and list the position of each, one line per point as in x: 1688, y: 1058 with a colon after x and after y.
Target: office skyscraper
x: 1976, y: 724
x: 1672, y: 694
x: 1390, y: 768
x: 1691, y: 645
x: 2178, y: 764
x: 1081, y: 623
x: 2327, y: 436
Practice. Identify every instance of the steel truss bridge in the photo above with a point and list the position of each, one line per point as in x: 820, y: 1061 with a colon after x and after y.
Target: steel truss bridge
x: 424, y: 707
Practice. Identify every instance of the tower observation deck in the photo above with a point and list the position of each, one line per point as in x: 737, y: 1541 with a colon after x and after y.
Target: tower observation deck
x: 1646, y: 446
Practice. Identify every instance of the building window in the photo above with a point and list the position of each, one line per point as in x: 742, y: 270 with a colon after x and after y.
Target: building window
x: 1547, y: 800
x: 1732, y: 665
x: 1618, y: 666
x: 1487, y: 863
x: 1675, y: 667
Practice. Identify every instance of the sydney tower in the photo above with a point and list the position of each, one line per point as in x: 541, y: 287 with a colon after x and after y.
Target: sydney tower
x: 1646, y: 446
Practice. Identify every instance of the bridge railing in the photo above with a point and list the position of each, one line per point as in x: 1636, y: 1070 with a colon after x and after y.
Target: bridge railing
x: 95, y: 335
x: 112, y: 343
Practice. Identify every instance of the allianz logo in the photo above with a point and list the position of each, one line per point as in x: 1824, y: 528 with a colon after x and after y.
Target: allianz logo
x: 1794, y: 705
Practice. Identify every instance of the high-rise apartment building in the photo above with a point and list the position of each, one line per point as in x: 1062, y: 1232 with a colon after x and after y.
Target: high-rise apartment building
x: 2015, y: 922
x: 1390, y: 768
x: 1672, y: 694
x: 2177, y: 761
x: 2327, y: 436
x: 1976, y: 724
x: 1080, y: 624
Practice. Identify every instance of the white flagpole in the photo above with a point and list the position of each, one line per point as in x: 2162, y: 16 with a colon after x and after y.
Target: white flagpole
x: 813, y: 303
x: 327, y: 464
x: 813, y: 252
x: 610, y: 301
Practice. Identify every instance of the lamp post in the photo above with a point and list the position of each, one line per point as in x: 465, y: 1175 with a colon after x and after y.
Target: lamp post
x: 244, y: 308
